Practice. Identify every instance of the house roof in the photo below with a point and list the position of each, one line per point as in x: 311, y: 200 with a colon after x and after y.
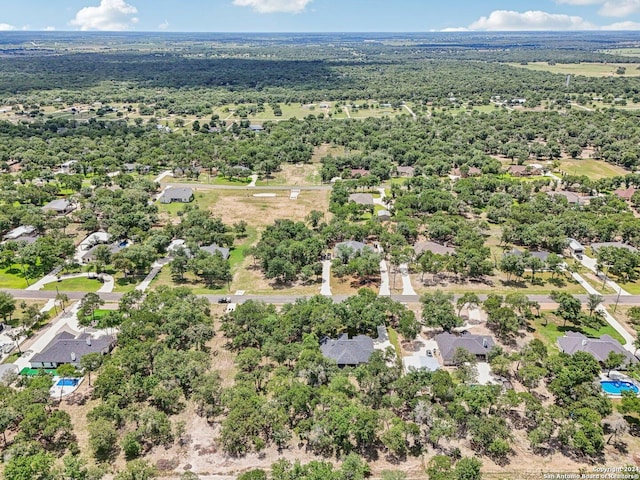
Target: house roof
x: 421, y: 247
x: 474, y: 344
x: 473, y: 172
x: 65, y: 348
x: 352, y: 244
x: 59, y: 205
x: 600, y: 348
x: 113, y: 248
x: 570, y: 196
x: 361, y: 198
x: 348, y: 351
x: 598, y: 246
x: 384, y: 213
x: 213, y: 249
x: 404, y: 170
x: 625, y: 193
x: 359, y: 171
x: 19, y: 232
x: 178, y: 193
x: 575, y: 245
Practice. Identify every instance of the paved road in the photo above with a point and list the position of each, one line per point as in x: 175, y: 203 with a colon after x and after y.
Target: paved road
x: 280, y: 299
x: 208, y: 186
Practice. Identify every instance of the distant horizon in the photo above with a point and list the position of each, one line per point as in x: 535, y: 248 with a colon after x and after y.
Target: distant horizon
x: 316, y: 16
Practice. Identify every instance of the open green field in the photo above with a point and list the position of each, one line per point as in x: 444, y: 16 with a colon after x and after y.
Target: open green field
x: 625, y: 52
x: 586, y: 69
x: 79, y: 284
x: 550, y: 328
x: 11, y: 277
x: 594, y: 169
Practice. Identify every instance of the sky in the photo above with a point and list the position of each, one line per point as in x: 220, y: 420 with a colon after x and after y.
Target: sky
x: 319, y: 15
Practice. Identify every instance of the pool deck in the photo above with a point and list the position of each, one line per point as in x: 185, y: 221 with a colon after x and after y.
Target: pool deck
x: 62, y: 391
x: 618, y: 377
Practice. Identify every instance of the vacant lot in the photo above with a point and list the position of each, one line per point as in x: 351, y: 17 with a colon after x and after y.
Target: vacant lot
x: 586, y: 69
x: 79, y: 284
x: 295, y: 175
x: 594, y: 169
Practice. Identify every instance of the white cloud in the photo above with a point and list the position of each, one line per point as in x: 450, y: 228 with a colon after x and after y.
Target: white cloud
x: 49, y: 29
x: 164, y: 25
x: 509, y: 20
x: 114, y: 15
x: 609, y: 8
x: 6, y: 27
x: 274, y: 6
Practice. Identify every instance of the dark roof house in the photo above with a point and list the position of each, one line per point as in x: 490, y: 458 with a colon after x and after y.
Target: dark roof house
x: 600, y: 348
x: 67, y: 348
x: 354, y: 245
x: 478, y: 345
x: 405, y: 171
x: 351, y: 351
x: 178, y: 194
x: 597, y: 246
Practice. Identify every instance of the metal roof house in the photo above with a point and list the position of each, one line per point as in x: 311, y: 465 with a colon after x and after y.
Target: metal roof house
x: 178, y: 194
x: 600, y: 348
x: 478, y: 345
x: 67, y: 348
x: 575, y: 247
x: 19, y: 232
x: 213, y: 249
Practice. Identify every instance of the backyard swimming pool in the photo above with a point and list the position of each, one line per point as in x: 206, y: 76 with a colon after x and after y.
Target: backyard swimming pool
x: 616, y: 387
x: 67, y: 382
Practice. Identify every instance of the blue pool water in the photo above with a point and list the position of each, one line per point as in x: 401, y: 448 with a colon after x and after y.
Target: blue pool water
x: 616, y: 387
x: 67, y: 382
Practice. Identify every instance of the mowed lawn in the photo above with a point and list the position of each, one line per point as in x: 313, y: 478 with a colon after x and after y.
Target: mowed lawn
x: 11, y: 277
x: 549, y: 329
x: 594, y: 169
x: 79, y: 284
x: 586, y: 69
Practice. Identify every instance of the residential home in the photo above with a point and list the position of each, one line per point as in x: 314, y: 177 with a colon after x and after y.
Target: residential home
x: 353, y: 245
x: 214, y: 249
x: 359, y: 172
x: 421, y: 247
x: 471, y: 172
x: 67, y: 348
x: 256, y: 128
x: 351, y: 352
x: 361, y: 198
x: 21, y: 232
x: 598, y: 245
x: 60, y: 206
x: 625, y: 193
x: 405, y: 171
x: 524, y: 170
x: 177, y: 194
x: 575, y: 247
x: 571, y: 197
x: 478, y: 345
x: 90, y: 255
x: 600, y: 348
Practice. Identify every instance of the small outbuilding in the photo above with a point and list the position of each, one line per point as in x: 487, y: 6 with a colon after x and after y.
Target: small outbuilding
x: 575, y: 247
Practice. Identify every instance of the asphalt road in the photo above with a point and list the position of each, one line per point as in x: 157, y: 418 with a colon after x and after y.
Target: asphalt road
x: 282, y: 299
x: 208, y: 186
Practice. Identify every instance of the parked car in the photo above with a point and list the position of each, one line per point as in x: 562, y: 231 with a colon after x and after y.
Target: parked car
x: 224, y: 300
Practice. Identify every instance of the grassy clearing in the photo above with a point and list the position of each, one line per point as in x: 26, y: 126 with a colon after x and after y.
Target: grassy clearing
x: 586, y: 69
x: 550, y: 328
x: 80, y: 284
x: 594, y: 169
x: 11, y: 277
x: 633, y: 288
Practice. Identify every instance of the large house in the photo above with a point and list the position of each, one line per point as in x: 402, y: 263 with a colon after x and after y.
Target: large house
x: 178, y: 194
x: 353, y: 246
x: 433, y: 247
x: 67, y: 348
x: 600, y: 348
x: 214, y: 249
x: 478, y: 345
x: 24, y: 233
x: 353, y: 351
x: 598, y: 245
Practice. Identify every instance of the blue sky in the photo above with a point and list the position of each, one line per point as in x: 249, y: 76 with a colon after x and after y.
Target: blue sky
x: 319, y: 15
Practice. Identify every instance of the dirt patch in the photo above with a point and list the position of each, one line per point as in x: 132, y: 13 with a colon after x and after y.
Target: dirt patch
x: 234, y: 206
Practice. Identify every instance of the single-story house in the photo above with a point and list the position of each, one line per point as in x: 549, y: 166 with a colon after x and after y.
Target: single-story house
x: 524, y: 170
x: 61, y: 206
x: 179, y: 171
x: 625, y: 193
x: 600, y: 348
x: 134, y: 167
x: 478, y: 345
x: 575, y: 247
x: 19, y: 232
x: 67, y: 348
x: 361, y: 198
x: 213, y: 249
x: 352, y: 351
x: 421, y: 247
x: 359, y: 172
x: 471, y: 172
x: 541, y: 255
x: 404, y: 171
x: 598, y: 245
x: 177, y: 194
x: 90, y: 255
x: 571, y: 197
x: 414, y: 362
x: 256, y: 128
x: 384, y: 215
x: 353, y: 245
